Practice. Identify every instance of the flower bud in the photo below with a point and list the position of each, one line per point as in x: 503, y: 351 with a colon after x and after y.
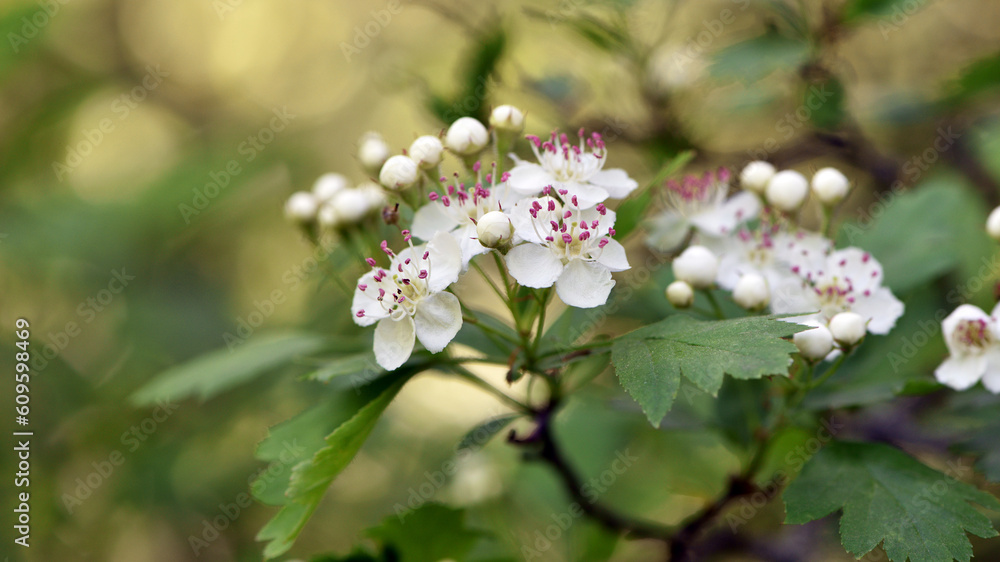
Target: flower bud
x: 372, y: 151
x: 374, y: 194
x: 301, y: 207
x: 755, y: 176
x: 328, y: 217
x: 494, y: 229
x: 466, y: 136
x: 993, y: 224
x: 680, y: 294
x: 327, y: 186
x: 398, y: 172
x: 848, y: 328
x: 814, y: 344
x: 787, y: 190
x: 697, y: 266
x: 351, y: 205
x: 830, y: 186
x: 507, y: 119
x: 426, y: 151
x: 751, y: 292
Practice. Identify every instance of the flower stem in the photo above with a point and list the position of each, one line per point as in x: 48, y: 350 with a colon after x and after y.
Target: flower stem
x: 715, y: 304
x: 468, y: 375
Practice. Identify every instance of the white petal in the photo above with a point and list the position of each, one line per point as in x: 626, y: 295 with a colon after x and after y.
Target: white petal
x: 393, y: 342
x: 961, y: 372
x: 724, y: 219
x: 616, y: 182
x: 613, y: 257
x: 528, y: 179
x: 438, y: 319
x: 469, y: 243
x: 446, y: 261
x: 587, y: 195
x: 791, y: 296
x: 366, y: 300
x: 534, y: 265
x: 584, y: 284
x: 991, y: 380
x: 858, y: 266
x: 525, y: 227
x: 431, y: 218
x: 882, y: 307
x: 667, y: 231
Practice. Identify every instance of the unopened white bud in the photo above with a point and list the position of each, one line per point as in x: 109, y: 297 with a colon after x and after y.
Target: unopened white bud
x: 328, y: 217
x: 698, y: 266
x: 993, y: 224
x: 466, y: 136
x: 373, y: 151
x: 301, y: 207
x: 507, y: 118
x: 327, y: 186
x: 787, y: 190
x: 830, y: 186
x: 494, y: 229
x: 374, y: 194
x: 848, y: 328
x: 755, y: 176
x: 751, y: 292
x: 426, y: 151
x: 680, y: 294
x: 398, y: 172
x: 814, y: 344
x: 351, y: 205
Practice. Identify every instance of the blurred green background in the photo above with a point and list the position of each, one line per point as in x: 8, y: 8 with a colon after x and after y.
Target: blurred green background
x: 118, y: 118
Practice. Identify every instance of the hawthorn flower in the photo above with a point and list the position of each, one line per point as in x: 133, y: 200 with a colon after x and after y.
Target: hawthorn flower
x: 848, y: 328
x: 696, y: 266
x: 830, y: 186
x: 494, y: 229
x: 847, y: 280
x: 572, y: 170
x: 974, y: 349
x: 787, y: 190
x: 570, y: 248
x: 700, y: 203
x: 814, y: 344
x: 408, y: 299
x: 772, y: 252
x: 301, y: 207
x: 399, y: 172
x: 426, y: 151
x: 752, y: 292
x: 459, y: 208
x: 755, y: 175
x: 466, y: 136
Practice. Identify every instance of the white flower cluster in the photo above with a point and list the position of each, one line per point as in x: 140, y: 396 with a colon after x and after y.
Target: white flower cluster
x: 749, y: 244
x: 973, y: 339
x: 547, y: 218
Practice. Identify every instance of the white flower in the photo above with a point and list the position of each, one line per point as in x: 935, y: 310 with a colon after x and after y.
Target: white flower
x: 769, y: 251
x: 787, y: 190
x: 814, y: 344
x: 372, y: 151
x: 327, y: 186
x: 301, y: 207
x: 973, y: 347
x: 408, y: 299
x: 457, y: 210
x: 697, y: 266
x: 507, y: 118
x: 751, y: 292
x: 494, y: 229
x: 848, y: 280
x: 830, y: 186
x: 680, y: 294
x: 700, y: 202
x: 426, y: 151
x: 399, y: 172
x: 993, y: 224
x: 571, y: 249
x: 571, y: 170
x: 466, y: 136
x: 755, y: 175
x: 848, y: 328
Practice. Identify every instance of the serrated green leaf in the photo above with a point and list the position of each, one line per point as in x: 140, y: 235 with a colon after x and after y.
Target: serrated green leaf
x: 891, y: 498
x: 429, y: 533
x: 650, y: 361
x: 223, y: 369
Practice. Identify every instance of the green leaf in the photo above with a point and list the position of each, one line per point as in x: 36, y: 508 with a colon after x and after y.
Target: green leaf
x: 887, y: 496
x: 311, y: 477
x: 429, y: 533
x: 224, y: 369
x: 478, y: 436
x: 751, y: 60
x: 856, y: 9
x: 831, y: 96
x: 355, y: 364
x: 981, y: 76
x: 911, y: 253
x: 650, y: 361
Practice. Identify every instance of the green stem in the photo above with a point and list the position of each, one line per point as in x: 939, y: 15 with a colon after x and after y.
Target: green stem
x: 468, y: 375
x: 542, y: 304
x: 486, y: 277
x: 489, y: 330
x: 829, y: 372
x: 715, y: 304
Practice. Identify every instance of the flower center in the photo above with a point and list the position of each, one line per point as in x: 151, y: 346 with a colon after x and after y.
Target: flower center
x: 973, y: 335
x: 568, y: 235
x: 695, y: 194
x: 567, y: 162
x: 400, y: 289
x: 464, y: 203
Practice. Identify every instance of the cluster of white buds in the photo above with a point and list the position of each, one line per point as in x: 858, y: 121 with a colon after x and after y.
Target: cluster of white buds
x: 372, y: 152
